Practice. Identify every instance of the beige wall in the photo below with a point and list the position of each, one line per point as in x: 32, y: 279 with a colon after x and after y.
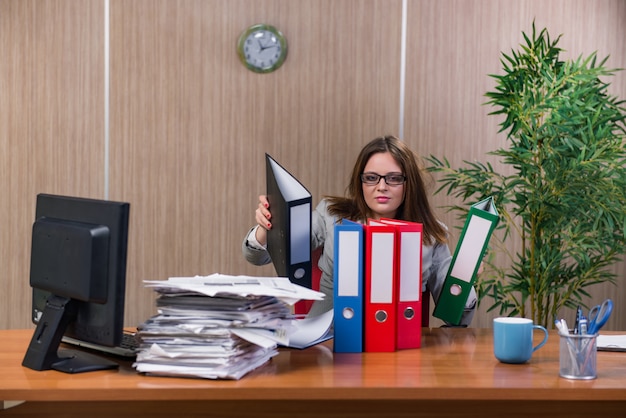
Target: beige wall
x: 186, y: 128
x: 452, y: 46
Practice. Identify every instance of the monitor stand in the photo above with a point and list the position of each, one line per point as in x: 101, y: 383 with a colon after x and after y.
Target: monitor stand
x: 43, y: 351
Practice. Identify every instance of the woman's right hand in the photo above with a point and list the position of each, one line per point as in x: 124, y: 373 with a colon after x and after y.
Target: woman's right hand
x: 263, y: 218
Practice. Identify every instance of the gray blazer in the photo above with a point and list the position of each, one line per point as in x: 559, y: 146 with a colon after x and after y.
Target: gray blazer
x: 435, y: 262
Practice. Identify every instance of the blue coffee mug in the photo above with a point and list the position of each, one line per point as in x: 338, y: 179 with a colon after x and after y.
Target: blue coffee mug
x: 513, y: 339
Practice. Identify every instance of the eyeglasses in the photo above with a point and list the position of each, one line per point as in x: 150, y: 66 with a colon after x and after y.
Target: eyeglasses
x: 392, y: 179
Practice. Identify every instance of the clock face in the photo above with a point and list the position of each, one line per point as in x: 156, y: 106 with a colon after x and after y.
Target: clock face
x: 262, y: 48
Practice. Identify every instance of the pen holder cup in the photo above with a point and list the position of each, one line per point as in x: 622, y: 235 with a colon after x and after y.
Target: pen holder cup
x: 577, y: 356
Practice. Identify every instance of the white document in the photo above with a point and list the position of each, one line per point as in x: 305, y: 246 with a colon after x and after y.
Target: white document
x: 611, y: 342
x: 302, y: 333
x: 311, y: 331
x: 234, y: 367
x: 214, y: 284
x: 266, y: 338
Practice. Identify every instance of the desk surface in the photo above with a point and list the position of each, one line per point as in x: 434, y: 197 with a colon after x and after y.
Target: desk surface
x: 454, y: 365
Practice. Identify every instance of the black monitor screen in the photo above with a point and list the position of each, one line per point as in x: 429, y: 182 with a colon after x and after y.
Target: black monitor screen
x: 78, y: 277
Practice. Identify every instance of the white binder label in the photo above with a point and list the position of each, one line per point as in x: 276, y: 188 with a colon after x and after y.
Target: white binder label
x: 382, y: 268
x: 300, y: 233
x: 348, y: 263
x: 410, y: 267
x: 471, y: 248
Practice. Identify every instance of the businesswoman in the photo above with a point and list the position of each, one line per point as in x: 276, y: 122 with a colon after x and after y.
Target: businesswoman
x: 386, y: 182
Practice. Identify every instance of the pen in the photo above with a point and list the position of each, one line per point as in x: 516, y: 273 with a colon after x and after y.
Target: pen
x: 579, y: 315
x: 559, y: 326
x: 582, y: 326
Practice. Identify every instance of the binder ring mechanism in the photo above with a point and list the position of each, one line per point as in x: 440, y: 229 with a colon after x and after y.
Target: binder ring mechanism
x: 381, y: 316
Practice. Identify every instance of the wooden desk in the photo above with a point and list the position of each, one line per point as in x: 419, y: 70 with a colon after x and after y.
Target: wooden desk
x: 453, y: 374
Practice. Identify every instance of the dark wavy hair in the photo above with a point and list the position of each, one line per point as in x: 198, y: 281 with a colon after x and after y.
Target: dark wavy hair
x: 414, y: 208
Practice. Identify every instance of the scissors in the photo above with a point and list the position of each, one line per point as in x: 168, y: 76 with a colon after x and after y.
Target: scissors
x: 598, y: 315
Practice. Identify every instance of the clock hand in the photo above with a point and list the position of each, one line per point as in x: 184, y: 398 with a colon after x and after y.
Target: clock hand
x: 263, y: 48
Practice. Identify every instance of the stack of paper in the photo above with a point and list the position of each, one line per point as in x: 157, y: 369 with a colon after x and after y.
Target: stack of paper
x: 218, y: 326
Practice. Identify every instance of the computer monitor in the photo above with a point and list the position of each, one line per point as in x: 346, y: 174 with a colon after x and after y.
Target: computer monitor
x: 78, y: 277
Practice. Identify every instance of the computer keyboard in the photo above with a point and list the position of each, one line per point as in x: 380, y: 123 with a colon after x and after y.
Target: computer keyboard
x: 127, y: 348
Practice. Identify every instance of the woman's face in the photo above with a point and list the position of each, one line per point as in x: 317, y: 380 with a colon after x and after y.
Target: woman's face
x: 381, y: 198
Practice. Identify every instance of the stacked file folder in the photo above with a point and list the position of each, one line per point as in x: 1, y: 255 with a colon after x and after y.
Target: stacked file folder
x: 217, y: 327
x: 378, y: 279
x: 378, y: 273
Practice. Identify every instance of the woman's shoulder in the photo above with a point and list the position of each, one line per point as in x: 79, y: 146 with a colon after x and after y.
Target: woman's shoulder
x: 323, y: 208
x: 323, y: 203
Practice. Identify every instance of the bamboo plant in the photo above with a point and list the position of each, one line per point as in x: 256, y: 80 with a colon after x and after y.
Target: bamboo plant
x: 564, y: 196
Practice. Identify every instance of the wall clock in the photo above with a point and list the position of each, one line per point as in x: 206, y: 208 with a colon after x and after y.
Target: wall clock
x: 262, y: 48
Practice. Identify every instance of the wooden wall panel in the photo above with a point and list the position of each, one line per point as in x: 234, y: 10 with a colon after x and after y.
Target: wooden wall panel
x: 190, y: 124
x: 452, y: 46
x: 51, y: 125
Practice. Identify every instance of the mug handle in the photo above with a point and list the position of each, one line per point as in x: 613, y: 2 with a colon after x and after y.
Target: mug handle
x: 545, y: 337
